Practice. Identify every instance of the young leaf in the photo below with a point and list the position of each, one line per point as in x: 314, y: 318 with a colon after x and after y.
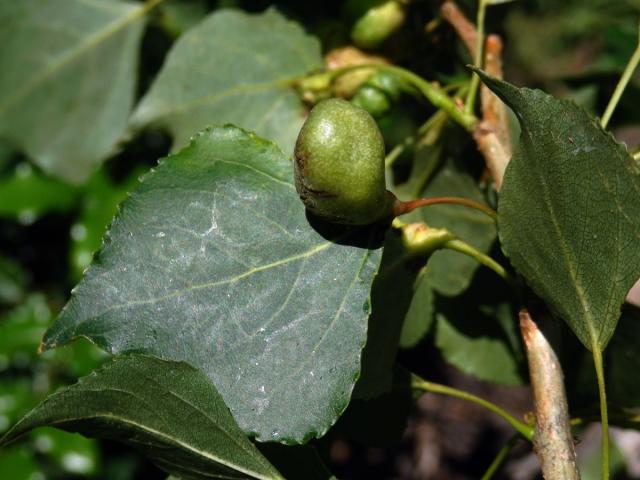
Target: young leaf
x: 233, y: 67
x: 569, y: 212
x: 212, y: 261
x: 168, y: 410
x: 69, y: 72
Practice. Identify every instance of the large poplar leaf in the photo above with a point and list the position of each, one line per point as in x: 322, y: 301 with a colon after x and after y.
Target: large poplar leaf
x: 233, y: 67
x: 212, y: 261
x: 170, y: 411
x: 68, y: 77
x: 569, y: 212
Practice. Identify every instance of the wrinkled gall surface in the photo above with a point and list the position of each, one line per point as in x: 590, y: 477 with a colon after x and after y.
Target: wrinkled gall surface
x: 339, y: 165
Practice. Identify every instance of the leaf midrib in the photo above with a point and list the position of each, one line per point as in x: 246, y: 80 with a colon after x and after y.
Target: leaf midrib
x: 166, y: 437
x: 580, y: 294
x: 225, y: 281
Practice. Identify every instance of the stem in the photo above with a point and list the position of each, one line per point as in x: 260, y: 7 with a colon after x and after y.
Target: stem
x: 407, y: 207
x: 395, y: 153
x: 553, y: 442
x: 486, y: 260
x: 622, y: 84
x: 431, y: 91
x: 624, y: 419
x: 604, y: 417
x: 522, y: 428
x: 463, y: 27
x: 500, y: 458
x: 477, y: 59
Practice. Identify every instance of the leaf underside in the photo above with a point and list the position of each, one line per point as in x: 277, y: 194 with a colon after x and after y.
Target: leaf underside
x: 212, y: 261
x: 170, y: 411
x: 569, y: 212
x: 68, y: 79
x: 233, y: 67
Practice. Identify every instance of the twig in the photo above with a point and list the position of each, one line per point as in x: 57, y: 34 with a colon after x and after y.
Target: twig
x: 494, y: 110
x: 492, y: 133
x: 461, y: 24
x: 552, y: 440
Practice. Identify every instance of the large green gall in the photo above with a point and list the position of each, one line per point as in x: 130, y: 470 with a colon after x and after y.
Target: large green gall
x: 339, y: 165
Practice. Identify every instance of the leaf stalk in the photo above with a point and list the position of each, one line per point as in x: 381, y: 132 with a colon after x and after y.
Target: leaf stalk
x: 420, y: 384
x: 483, y: 259
x: 430, y: 90
x: 500, y: 458
x: 621, y: 86
x: 407, y: 207
x: 477, y: 58
x: 604, y: 415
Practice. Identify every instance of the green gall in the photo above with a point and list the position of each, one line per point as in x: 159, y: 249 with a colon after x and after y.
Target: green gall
x: 378, y: 93
x: 378, y: 23
x: 388, y: 83
x: 339, y: 165
x: 421, y: 240
x: 315, y: 87
x: 372, y: 100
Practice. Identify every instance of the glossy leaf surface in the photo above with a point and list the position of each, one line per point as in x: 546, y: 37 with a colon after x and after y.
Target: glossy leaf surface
x: 213, y: 261
x: 569, y: 212
x: 169, y: 410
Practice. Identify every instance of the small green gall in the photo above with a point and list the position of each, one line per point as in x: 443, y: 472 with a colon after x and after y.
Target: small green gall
x: 421, y: 240
x: 372, y: 100
x: 378, y: 23
x: 339, y: 165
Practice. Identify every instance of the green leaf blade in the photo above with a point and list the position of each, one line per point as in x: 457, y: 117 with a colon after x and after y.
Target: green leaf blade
x: 69, y: 78
x: 212, y: 261
x: 169, y: 410
x: 233, y: 67
x: 569, y: 212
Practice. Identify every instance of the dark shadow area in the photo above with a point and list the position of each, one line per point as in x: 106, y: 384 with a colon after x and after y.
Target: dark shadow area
x: 370, y: 237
